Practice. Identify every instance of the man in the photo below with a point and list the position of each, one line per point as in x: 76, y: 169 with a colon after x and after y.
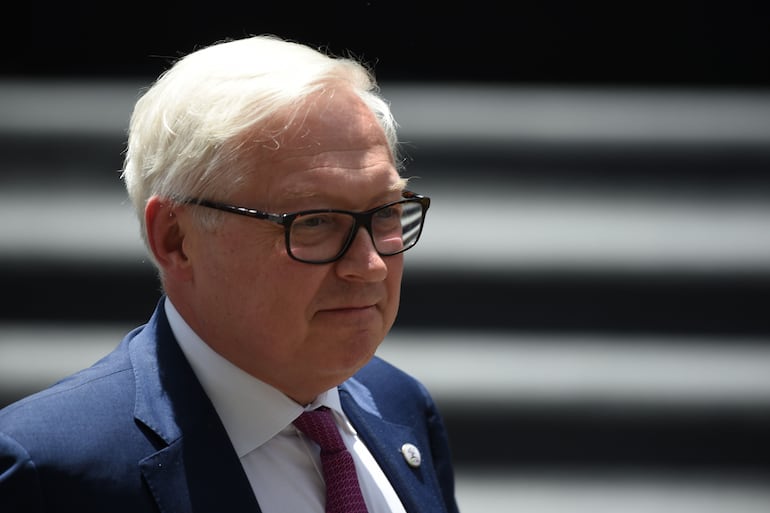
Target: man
x: 266, y: 181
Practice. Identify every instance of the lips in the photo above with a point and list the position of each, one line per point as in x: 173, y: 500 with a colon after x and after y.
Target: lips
x: 351, y: 308
x: 352, y: 301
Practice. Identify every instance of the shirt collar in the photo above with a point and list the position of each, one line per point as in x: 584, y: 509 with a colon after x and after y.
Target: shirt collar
x: 251, y: 411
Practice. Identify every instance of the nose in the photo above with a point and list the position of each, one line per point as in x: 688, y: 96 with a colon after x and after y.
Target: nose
x: 361, y: 261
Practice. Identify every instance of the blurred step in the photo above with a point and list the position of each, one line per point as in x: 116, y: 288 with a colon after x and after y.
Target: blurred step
x: 596, y: 492
x: 477, y: 369
x: 596, y: 402
x: 489, y: 259
x: 558, y: 401
x: 469, y: 227
x: 469, y: 132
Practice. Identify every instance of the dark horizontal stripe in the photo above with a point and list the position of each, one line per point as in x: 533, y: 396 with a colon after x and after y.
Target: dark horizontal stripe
x: 719, y: 303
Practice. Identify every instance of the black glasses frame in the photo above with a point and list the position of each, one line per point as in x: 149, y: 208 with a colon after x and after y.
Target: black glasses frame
x: 362, y: 220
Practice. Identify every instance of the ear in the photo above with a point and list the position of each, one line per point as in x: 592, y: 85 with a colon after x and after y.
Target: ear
x: 165, y: 236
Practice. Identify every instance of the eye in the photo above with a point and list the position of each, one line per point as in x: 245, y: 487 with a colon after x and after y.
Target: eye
x: 321, y: 225
x: 313, y: 221
x: 389, y: 212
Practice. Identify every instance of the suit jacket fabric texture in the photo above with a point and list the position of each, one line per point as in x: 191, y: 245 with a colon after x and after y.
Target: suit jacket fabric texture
x: 136, y: 433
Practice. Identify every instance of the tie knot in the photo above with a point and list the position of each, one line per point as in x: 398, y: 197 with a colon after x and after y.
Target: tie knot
x: 319, y: 426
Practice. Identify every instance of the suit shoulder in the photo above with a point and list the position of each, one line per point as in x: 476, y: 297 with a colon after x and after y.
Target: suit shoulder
x: 89, y: 392
x: 381, y: 372
x: 386, y: 385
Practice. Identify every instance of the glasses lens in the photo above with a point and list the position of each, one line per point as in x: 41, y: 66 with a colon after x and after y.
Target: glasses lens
x: 396, y: 228
x: 321, y: 237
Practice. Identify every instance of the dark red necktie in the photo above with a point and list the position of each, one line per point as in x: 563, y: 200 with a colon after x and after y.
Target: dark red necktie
x: 343, y: 495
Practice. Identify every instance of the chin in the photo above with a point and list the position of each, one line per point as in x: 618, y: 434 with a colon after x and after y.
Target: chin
x: 360, y: 350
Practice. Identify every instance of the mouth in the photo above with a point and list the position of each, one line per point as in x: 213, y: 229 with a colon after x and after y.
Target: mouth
x: 350, y: 312
x: 349, y: 309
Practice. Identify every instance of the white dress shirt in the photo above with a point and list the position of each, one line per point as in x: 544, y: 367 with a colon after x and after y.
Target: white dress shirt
x: 282, y: 465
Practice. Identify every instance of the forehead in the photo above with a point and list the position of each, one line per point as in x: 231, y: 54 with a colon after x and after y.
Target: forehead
x: 332, y: 145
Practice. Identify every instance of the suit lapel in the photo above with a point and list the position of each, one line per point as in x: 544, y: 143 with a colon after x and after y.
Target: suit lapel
x: 417, y: 487
x: 195, y: 468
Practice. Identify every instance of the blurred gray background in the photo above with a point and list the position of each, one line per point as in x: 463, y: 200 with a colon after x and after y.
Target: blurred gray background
x: 589, y: 303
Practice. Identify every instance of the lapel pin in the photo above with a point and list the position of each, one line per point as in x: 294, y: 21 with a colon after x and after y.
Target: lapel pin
x: 411, y: 455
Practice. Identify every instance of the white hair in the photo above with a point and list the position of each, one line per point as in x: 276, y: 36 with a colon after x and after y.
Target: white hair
x: 184, y: 133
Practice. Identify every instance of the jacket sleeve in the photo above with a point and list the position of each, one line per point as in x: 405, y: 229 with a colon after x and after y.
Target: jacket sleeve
x: 19, y: 486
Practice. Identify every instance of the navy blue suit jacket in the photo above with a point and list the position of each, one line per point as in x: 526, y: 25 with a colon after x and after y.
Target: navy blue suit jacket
x: 136, y: 433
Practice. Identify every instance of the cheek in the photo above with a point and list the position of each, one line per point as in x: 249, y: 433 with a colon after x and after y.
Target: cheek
x: 243, y: 248
x: 292, y: 289
x: 239, y: 267
x: 279, y: 294
x: 393, y: 284
x: 266, y: 309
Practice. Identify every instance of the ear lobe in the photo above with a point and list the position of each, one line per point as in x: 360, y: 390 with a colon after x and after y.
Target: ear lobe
x: 165, y: 236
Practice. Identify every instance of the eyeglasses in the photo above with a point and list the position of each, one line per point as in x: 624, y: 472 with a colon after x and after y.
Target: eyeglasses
x: 324, y: 235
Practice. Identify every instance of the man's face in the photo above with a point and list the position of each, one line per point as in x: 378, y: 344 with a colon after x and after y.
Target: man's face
x: 300, y: 327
